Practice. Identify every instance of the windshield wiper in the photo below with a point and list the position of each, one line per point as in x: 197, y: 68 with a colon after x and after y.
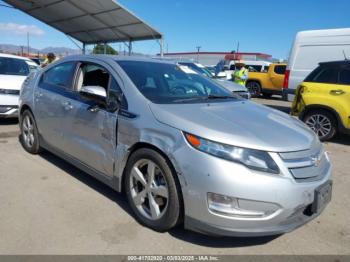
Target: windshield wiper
x: 218, y: 97
x: 209, y: 97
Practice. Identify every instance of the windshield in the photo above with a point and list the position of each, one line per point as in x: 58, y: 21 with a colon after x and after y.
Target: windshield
x: 169, y: 83
x: 14, y: 66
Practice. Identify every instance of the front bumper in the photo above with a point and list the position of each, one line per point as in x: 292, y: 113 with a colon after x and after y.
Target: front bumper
x: 219, y: 176
x: 8, y: 106
x: 8, y: 111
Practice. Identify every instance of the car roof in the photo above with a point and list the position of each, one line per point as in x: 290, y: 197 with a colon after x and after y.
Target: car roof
x: 14, y: 56
x: 336, y: 63
x: 116, y: 58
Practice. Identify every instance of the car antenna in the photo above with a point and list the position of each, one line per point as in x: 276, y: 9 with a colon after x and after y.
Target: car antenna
x: 345, y: 55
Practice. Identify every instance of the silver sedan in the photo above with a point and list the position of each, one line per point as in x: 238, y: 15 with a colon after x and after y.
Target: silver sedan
x: 183, y: 148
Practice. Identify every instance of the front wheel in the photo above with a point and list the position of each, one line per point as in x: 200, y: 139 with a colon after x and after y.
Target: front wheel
x: 152, y: 190
x: 322, y: 123
x: 254, y: 88
x: 29, y: 133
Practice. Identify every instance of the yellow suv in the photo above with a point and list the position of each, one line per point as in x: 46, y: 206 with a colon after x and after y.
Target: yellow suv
x: 322, y: 101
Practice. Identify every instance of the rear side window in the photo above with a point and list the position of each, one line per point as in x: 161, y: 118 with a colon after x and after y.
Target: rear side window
x: 327, y: 75
x: 60, y: 75
x: 344, y: 76
x: 280, y: 69
x: 254, y: 68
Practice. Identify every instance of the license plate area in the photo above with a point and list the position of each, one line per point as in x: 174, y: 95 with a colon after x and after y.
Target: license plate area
x: 323, y: 195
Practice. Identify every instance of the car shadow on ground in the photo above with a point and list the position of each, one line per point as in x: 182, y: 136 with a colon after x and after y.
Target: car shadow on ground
x: 88, y: 180
x: 341, y: 139
x: 8, y: 121
x: 121, y: 200
x: 217, y: 241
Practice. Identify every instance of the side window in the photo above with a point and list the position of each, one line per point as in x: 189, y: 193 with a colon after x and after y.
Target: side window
x: 327, y: 75
x: 60, y: 75
x: 92, y: 75
x: 280, y: 69
x: 344, y: 76
x: 115, y: 96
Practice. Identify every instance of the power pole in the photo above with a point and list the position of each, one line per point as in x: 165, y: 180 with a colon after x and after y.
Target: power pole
x: 27, y: 43
x: 198, y: 49
x: 22, y: 47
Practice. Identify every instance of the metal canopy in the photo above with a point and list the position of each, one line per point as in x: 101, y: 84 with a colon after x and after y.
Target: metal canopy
x: 89, y: 21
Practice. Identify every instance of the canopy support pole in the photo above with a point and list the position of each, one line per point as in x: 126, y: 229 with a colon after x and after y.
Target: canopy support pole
x: 161, y: 44
x: 105, y: 48
x: 130, y: 47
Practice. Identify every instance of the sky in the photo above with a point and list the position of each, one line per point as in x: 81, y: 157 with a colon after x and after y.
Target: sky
x: 266, y: 26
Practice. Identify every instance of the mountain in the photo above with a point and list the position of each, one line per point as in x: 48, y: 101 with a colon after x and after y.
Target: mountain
x: 16, y: 49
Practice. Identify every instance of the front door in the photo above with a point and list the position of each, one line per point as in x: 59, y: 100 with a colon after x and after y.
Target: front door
x: 277, y: 77
x: 92, y: 137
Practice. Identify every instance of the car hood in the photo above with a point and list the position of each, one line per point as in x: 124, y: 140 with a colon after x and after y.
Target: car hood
x: 12, y: 82
x: 239, y: 123
x: 231, y: 86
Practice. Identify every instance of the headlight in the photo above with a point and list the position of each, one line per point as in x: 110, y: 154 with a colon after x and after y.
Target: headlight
x: 251, y: 158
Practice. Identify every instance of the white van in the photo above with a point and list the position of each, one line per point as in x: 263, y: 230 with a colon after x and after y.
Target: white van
x: 308, y: 50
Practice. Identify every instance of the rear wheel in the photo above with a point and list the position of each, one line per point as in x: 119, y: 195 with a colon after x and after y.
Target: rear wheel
x: 254, y: 88
x: 152, y: 190
x: 322, y: 123
x: 29, y: 133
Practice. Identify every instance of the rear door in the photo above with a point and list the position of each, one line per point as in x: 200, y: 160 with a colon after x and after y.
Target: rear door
x: 52, y: 110
x: 92, y: 137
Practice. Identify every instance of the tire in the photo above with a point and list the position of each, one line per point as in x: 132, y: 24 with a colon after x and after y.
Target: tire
x: 163, y: 194
x: 29, y: 133
x: 322, y: 123
x: 254, y: 88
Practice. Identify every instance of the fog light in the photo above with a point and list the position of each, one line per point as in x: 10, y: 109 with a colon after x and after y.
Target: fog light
x: 232, y: 206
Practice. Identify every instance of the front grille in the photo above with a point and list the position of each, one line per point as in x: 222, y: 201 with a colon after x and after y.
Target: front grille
x: 4, y: 109
x: 9, y: 92
x: 308, y: 165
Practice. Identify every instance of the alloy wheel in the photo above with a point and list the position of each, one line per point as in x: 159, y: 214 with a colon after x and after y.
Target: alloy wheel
x: 28, y: 131
x: 149, y: 189
x: 320, y: 124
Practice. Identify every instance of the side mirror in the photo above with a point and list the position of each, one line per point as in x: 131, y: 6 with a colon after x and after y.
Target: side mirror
x: 97, y: 93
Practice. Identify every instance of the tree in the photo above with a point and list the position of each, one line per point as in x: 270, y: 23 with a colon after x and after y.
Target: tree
x: 99, y: 49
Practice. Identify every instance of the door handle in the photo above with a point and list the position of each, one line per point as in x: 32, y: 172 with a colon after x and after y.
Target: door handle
x: 67, y: 106
x: 337, y: 92
x: 38, y: 95
x: 93, y: 109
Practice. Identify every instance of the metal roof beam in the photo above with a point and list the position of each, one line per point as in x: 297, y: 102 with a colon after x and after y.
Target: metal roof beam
x: 80, y: 16
x: 100, y: 20
x: 104, y: 28
x: 44, y: 6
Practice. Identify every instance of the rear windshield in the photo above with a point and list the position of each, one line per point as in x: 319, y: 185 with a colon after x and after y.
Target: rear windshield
x: 170, y: 83
x: 13, y: 66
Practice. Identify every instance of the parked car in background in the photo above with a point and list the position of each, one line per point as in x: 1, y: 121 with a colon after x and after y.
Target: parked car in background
x: 308, y: 50
x: 183, y: 148
x: 13, y: 72
x: 267, y: 83
x: 322, y: 101
x: 229, y: 85
x: 211, y: 69
x: 38, y: 61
